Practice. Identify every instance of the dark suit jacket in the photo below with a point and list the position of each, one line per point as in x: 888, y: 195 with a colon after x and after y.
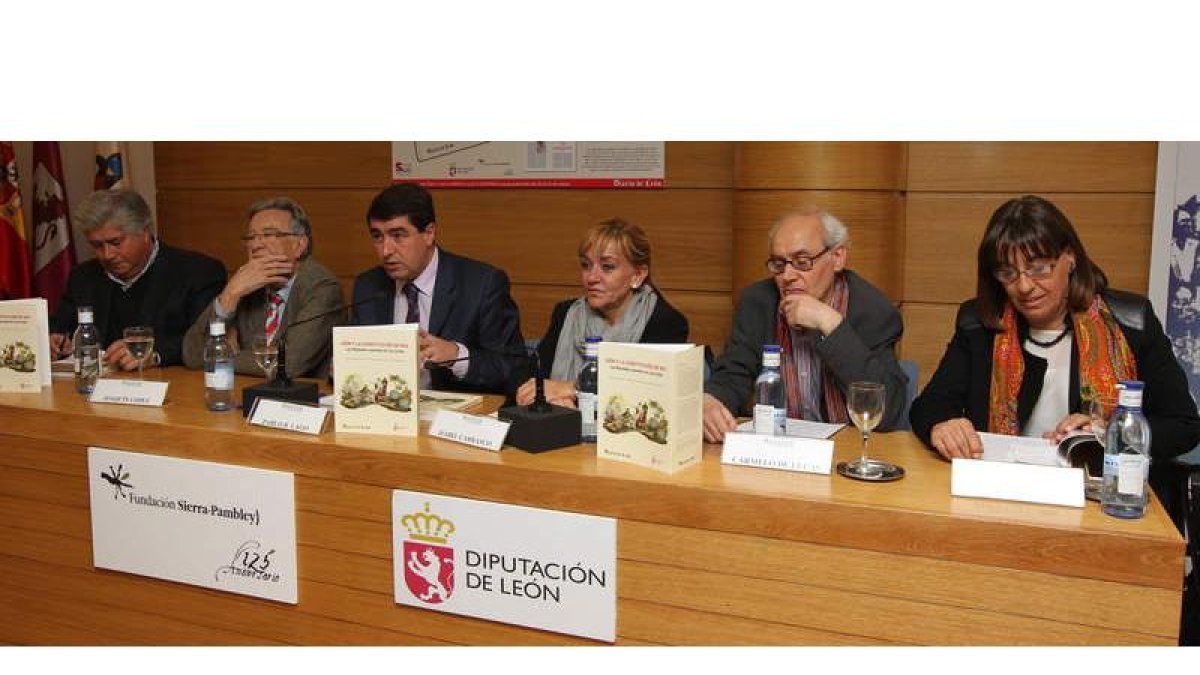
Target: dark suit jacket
x: 665, y: 326
x: 471, y: 305
x: 961, y: 385
x: 862, y: 347
x: 180, y: 284
x: 315, y: 291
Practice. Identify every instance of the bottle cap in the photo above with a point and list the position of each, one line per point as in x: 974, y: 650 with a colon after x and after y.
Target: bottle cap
x: 1129, y: 393
x: 216, y: 328
x: 771, y: 356
x: 85, y: 315
x: 592, y: 345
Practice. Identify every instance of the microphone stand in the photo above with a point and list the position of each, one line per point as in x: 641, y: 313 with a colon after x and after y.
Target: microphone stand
x: 282, y: 387
x: 541, y: 425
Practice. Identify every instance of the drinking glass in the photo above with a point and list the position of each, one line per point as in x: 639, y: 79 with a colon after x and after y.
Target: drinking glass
x: 1100, y: 408
x: 139, y: 340
x: 266, y: 355
x: 865, y: 403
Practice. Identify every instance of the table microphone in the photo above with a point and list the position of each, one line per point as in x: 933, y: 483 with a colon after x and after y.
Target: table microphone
x: 282, y: 388
x: 541, y: 425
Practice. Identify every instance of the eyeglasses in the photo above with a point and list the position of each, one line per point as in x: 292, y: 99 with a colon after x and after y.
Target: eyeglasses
x: 1037, y: 271
x: 777, y: 265
x: 267, y: 235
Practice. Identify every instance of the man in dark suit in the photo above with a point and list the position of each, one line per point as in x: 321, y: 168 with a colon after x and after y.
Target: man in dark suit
x: 280, y: 285
x: 134, y: 280
x: 468, y: 319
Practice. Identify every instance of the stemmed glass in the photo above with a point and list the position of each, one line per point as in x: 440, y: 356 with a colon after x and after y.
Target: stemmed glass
x: 1100, y: 408
x: 266, y: 355
x: 139, y: 340
x: 865, y: 404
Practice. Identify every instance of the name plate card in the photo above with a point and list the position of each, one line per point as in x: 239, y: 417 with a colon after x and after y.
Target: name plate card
x: 789, y: 453
x: 130, y: 392
x: 549, y: 570
x: 1017, y: 482
x: 228, y: 528
x: 482, y: 432
x: 287, y: 416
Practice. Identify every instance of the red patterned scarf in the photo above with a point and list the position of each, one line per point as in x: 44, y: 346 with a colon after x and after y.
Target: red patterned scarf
x: 804, y: 377
x: 1104, y: 360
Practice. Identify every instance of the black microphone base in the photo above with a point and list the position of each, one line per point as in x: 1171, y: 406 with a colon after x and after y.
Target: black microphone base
x: 296, y: 392
x: 541, y: 431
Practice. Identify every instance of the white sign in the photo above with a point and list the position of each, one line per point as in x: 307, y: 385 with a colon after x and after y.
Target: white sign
x: 482, y: 432
x: 288, y: 416
x: 549, y: 570
x: 537, y: 164
x: 1020, y: 449
x: 778, y: 452
x: 130, y: 392
x: 228, y: 528
x: 801, y: 428
x: 1018, y: 482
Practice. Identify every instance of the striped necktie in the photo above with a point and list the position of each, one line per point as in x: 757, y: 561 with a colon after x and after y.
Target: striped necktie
x: 274, y: 300
x: 413, y: 315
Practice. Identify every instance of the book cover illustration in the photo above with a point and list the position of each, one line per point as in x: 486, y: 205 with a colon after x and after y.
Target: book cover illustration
x: 650, y: 405
x: 375, y: 379
x: 24, y: 345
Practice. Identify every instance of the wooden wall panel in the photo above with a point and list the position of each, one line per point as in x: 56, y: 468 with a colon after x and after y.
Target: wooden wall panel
x: 874, y: 220
x: 943, y: 233
x: 271, y: 166
x: 820, y: 166
x: 699, y: 164
x: 1031, y: 167
x: 927, y: 330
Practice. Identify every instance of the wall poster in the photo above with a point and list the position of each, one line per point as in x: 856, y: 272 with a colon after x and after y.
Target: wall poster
x: 535, y: 164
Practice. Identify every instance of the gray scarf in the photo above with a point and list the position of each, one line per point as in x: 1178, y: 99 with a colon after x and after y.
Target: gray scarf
x: 582, y: 321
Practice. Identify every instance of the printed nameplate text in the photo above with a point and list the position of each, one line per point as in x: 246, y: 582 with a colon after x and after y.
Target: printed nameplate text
x: 789, y: 453
x: 287, y: 416
x: 482, y: 432
x: 130, y: 392
x: 1018, y: 482
x: 224, y: 527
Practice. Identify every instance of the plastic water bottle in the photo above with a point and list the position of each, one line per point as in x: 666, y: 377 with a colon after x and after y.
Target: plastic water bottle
x: 86, y: 343
x: 585, y: 388
x: 1126, y: 455
x: 770, y: 403
x: 218, y: 369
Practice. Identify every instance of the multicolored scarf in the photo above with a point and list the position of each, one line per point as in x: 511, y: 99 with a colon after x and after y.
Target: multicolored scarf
x: 805, y: 379
x: 1104, y: 360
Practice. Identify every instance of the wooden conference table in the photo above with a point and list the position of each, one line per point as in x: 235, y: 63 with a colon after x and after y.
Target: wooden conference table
x: 711, y: 555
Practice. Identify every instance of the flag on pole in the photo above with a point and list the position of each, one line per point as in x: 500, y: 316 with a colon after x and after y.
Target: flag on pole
x: 53, y: 251
x: 14, y: 247
x: 112, y: 169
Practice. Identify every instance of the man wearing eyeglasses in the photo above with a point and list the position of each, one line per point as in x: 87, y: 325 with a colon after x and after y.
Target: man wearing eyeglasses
x: 833, y: 328
x: 279, y: 285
